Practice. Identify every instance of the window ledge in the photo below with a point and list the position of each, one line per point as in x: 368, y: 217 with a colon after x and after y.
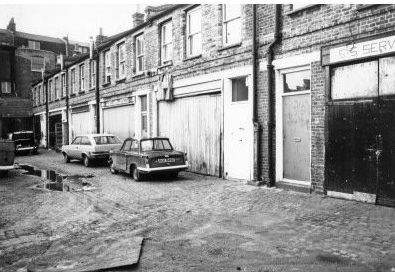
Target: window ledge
x: 166, y: 64
x: 81, y: 92
x: 57, y: 99
x: 229, y: 46
x: 292, y: 12
x: 139, y: 74
x: 72, y: 94
x: 120, y: 80
x: 63, y: 97
x: 193, y: 57
x: 92, y: 89
x: 106, y: 84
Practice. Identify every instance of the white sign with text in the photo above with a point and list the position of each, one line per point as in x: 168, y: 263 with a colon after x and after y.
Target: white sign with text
x: 362, y: 49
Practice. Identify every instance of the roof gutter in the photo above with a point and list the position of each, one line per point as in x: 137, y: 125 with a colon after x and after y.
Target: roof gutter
x: 271, y: 92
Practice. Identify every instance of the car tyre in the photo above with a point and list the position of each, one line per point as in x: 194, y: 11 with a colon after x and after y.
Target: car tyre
x: 87, y: 161
x: 136, y: 173
x: 66, y: 158
x: 174, y: 175
x: 112, y: 169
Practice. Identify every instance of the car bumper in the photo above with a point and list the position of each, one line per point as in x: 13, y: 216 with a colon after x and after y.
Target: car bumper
x: 100, y: 156
x: 26, y: 148
x: 163, y: 169
x: 6, y: 167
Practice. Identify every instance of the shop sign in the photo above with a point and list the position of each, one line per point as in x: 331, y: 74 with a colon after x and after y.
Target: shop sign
x: 362, y: 50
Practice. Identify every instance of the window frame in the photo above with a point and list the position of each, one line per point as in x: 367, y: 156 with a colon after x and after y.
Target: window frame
x: 4, y: 83
x: 165, y: 45
x: 81, y: 77
x: 72, y: 81
x: 121, y: 62
x: 140, y: 38
x: 225, y: 23
x: 92, y: 74
x: 107, y: 66
x: 62, y: 85
x: 34, y: 43
x: 56, y: 80
x: 189, y: 35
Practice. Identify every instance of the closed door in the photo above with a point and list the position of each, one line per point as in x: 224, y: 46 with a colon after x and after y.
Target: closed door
x: 119, y: 121
x: 237, y: 129
x: 296, y: 137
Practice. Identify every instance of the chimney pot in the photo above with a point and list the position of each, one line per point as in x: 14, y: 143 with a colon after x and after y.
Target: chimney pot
x: 138, y: 19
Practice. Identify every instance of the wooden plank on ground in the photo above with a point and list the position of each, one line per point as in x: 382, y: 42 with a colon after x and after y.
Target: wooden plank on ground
x: 89, y: 253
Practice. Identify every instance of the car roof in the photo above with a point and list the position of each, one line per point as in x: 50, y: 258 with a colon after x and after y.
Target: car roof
x: 94, y: 135
x: 147, y: 138
x: 22, y: 131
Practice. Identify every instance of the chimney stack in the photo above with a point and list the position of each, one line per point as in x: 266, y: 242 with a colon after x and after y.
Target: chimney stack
x: 138, y: 19
x: 100, y: 38
x: 11, y: 25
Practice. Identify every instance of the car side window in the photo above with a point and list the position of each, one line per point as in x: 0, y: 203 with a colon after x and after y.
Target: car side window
x: 85, y: 141
x: 76, y: 141
x: 135, y: 146
x: 126, y: 145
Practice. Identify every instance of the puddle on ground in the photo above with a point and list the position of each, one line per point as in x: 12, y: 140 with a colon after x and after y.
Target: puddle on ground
x: 57, y: 181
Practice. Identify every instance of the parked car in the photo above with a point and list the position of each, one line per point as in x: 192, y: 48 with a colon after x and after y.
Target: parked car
x: 24, y: 142
x: 148, y: 155
x: 90, y: 147
x: 7, y: 155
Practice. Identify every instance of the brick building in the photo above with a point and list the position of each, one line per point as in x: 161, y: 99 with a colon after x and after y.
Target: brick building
x: 288, y: 111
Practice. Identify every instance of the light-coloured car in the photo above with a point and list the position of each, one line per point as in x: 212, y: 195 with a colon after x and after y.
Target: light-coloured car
x: 90, y: 147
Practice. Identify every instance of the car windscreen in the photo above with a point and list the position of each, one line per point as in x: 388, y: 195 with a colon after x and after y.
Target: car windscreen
x: 22, y: 136
x: 103, y: 140
x: 155, y: 145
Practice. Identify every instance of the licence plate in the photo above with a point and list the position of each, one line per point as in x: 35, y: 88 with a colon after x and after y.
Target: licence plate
x: 166, y: 160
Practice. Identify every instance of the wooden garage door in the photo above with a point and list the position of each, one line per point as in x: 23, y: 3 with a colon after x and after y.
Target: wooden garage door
x: 81, y: 123
x: 119, y: 121
x: 193, y: 125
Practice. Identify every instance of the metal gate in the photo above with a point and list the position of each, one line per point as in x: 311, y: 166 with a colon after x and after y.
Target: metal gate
x: 58, y: 136
x: 361, y: 141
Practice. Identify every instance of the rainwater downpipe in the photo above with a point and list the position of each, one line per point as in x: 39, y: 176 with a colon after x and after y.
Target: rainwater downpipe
x: 271, y: 92
x: 45, y: 85
x: 97, y: 93
x: 257, y: 165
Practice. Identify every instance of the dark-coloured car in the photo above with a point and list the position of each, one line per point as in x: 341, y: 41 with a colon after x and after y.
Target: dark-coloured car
x: 147, y: 155
x: 24, y: 142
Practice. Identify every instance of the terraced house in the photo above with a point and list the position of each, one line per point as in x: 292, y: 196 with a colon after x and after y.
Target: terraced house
x: 292, y: 95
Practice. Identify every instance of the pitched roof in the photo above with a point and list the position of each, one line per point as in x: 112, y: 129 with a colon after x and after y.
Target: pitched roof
x: 38, y: 37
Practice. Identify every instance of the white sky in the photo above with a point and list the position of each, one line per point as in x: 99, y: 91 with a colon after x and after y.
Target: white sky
x: 79, y: 21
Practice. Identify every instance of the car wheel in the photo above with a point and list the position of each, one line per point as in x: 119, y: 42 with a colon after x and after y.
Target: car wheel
x: 112, y: 169
x: 66, y: 158
x: 136, y: 174
x: 174, y: 175
x: 87, y: 161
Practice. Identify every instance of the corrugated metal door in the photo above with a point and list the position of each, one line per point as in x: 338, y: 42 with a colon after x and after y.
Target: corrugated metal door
x: 296, y: 137
x: 119, y: 121
x: 81, y: 123
x: 193, y: 125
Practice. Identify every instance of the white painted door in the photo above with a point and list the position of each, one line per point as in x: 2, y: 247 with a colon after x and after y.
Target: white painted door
x: 81, y: 123
x: 238, y: 129
x: 119, y: 121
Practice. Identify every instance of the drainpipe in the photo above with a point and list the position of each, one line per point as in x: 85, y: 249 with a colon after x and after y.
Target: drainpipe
x: 66, y: 78
x: 257, y: 165
x: 46, y: 111
x: 97, y: 93
x: 271, y: 92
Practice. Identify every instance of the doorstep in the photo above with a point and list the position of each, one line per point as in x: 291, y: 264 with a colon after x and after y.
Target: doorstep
x: 293, y: 186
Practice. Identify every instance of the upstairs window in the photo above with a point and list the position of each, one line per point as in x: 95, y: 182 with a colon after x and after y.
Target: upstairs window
x: 107, y: 67
x: 82, y: 78
x: 194, y: 32
x: 92, y: 74
x: 56, y: 89
x: 231, y: 24
x: 166, y: 42
x: 37, y: 63
x: 34, y: 96
x: 300, y: 6
x: 63, y: 85
x: 42, y: 96
x: 34, y: 45
x: 139, y: 54
x: 6, y: 87
x: 121, y: 61
x: 50, y: 95
x: 73, y: 80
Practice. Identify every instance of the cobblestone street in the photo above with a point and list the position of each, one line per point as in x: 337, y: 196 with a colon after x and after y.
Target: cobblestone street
x: 194, y: 223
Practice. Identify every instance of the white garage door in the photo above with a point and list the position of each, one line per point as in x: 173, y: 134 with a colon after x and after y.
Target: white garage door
x: 119, y: 121
x: 81, y: 123
x: 193, y: 125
